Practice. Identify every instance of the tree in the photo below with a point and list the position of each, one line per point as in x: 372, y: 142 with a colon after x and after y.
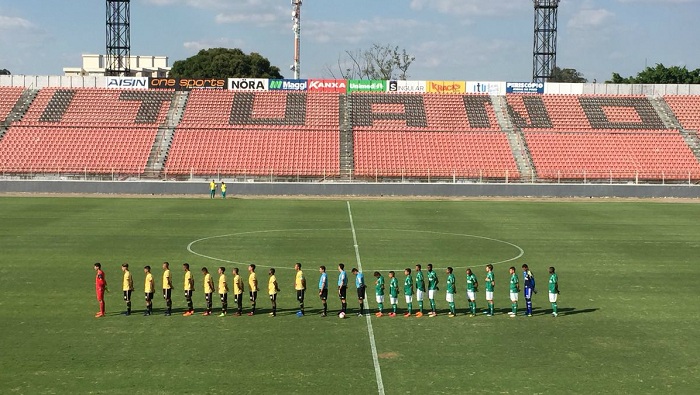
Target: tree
x: 566, y: 75
x: 660, y: 74
x: 224, y: 63
x: 379, y: 62
x: 5, y: 72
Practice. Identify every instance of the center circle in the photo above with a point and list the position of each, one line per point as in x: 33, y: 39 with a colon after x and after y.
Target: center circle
x: 381, y: 249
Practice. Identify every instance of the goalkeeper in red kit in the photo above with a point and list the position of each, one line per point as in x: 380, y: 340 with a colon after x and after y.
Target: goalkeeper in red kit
x: 100, y: 287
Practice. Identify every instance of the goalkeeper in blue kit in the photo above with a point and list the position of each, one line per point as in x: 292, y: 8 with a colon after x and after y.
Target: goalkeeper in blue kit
x: 528, y: 289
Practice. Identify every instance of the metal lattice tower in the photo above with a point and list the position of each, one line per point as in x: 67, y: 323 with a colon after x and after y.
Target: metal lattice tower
x: 544, y: 51
x: 118, y: 37
x: 296, y: 17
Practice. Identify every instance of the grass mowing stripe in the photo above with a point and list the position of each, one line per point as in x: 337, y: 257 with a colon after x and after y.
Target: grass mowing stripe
x: 370, y: 330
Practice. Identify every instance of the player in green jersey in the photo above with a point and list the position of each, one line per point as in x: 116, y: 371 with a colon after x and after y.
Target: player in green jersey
x: 450, y: 292
x: 432, y: 288
x: 490, y: 285
x: 393, y: 293
x: 553, y: 290
x: 420, y: 290
x: 408, y: 291
x: 514, y: 291
x: 472, y: 288
x: 379, y: 291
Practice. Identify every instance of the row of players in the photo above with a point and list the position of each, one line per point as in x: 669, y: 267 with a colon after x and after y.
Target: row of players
x: 411, y: 288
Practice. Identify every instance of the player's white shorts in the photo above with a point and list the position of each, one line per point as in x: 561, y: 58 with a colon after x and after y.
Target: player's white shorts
x: 380, y: 298
x: 431, y: 294
x: 514, y: 296
x: 419, y: 295
x: 409, y: 298
x: 553, y: 298
x: 471, y: 295
x: 489, y: 295
x: 394, y: 300
x: 450, y: 298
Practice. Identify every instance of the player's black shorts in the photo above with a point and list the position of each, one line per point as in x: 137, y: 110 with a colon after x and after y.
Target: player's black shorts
x: 127, y: 295
x: 300, y: 295
x: 167, y: 293
x: 273, y: 297
x: 207, y: 297
x: 342, y: 292
x: 149, y: 296
x: 253, y: 295
x: 188, y: 295
x: 323, y: 294
x: 223, y: 297
x: 361, y: 293
x: 238, y: 298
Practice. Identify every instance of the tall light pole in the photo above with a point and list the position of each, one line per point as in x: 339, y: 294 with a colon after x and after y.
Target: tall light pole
x: 544, y: 51
x: 296, y: 17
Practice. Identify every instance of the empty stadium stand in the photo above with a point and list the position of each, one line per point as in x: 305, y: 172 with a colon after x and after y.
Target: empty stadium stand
x: 419, y: 135
x: 8, y: 99
x: 599, y: 137
x: 261, y: 133
x: 85, y: 130
x: 686, y: 109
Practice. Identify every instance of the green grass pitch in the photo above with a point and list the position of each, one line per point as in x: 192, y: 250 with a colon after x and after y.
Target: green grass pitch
x: 628, y: 277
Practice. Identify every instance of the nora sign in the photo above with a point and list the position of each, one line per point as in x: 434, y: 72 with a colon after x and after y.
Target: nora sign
x: 248, y: 84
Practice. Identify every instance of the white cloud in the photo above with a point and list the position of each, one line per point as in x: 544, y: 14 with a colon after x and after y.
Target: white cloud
x: 472, y: 7
x: 223, y: 42
x: 10, y: 22
x: 355, y: 32
x: 588, y: 18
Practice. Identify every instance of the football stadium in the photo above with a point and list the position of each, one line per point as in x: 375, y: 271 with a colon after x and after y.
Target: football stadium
x: 593, y: 186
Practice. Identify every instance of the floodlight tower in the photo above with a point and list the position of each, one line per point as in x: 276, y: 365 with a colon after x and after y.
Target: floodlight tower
x: 118, y: 37
x: 544, y: 51
x: 296, y: 17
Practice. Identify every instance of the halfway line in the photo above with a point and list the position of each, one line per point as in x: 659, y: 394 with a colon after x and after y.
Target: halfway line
x: 370, y: 331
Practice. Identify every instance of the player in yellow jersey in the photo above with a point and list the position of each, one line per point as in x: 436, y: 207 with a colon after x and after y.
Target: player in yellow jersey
x: 300, y: 287
x: 238, y: 291
x: 223, y: 190
x: 127, y: 287
x: 189, y: 289
x: 212, y: 189
x: 149, y: 288
x: 223, y: 291
x: 167, y: 288
x: 272, y: 289
x: 253, y: 284
x: 208, y: 290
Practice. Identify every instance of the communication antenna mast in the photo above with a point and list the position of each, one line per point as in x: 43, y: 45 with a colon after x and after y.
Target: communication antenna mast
x: 544, y: 51
x: 118, y: 37
x: 296, y: 17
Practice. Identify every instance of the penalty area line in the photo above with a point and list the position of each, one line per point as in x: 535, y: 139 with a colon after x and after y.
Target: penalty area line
x: 370, y: 331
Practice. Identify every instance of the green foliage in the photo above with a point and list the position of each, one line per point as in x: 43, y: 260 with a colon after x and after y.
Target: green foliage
x: 627, y: 271
x: 566, y: 75
x: 224, y: 63
x: 660, y: 74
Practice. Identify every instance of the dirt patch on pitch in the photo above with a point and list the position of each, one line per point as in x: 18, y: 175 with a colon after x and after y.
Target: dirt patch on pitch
x: 388, y: 355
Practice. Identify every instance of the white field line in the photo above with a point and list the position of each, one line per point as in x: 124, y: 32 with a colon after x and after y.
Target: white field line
x: 370, y: 331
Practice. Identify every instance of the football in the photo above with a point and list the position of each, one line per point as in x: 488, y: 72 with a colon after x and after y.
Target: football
x: 341, y: 315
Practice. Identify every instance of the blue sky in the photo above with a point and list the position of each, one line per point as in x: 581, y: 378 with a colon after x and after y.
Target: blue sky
x: 451, y: 39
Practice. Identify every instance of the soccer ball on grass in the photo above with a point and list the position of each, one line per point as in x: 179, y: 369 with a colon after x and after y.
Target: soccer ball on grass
x: 341, y: 315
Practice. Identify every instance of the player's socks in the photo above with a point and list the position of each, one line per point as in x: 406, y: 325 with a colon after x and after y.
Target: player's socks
x: 344, y: 307
x: 528, y: 304
x: 128, y: 307
x: 514, y: 308
x: 301, y: 308
x: 380, y: 306
x: 554, y: 308
x: 410, y: 308
x: 432, y: 305
x: 420, y: 306
x: 253, y: 309
x: 393, y: 308
x: 491, y: 308
x: 362, y: 308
